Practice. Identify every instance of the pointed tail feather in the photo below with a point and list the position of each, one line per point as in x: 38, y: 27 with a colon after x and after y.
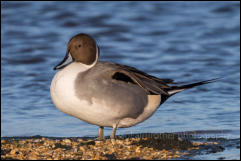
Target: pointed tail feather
x: 176, y: 89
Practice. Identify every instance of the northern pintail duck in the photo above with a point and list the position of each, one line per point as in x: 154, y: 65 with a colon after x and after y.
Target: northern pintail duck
x: 107, y: 94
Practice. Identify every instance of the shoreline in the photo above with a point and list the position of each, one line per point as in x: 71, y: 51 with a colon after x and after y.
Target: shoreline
x: 132, y: 146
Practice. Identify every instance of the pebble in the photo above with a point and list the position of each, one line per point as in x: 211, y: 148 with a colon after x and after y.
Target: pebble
x: 67, y: 141
x: 12, y: 152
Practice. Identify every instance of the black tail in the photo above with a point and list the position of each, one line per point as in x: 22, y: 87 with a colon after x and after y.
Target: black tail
x: 176, y: 89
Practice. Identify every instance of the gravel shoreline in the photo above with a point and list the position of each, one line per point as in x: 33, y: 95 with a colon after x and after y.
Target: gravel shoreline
x: 141, y: 146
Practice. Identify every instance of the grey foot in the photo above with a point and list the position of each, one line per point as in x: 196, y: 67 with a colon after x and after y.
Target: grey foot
x: 101, y: 136
x: 112, y: 137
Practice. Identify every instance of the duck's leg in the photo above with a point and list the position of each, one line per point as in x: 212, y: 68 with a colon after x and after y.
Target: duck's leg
x: 101, y: 133
x: 112, y: 137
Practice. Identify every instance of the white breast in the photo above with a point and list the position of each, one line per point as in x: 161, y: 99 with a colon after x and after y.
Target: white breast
x: 64, y: 98
x: 62, y: 89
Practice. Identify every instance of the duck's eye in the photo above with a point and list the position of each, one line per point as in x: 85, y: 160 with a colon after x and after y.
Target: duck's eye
x: 79, y: 46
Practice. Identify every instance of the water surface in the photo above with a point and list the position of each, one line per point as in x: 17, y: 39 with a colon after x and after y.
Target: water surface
x: 184, y: 41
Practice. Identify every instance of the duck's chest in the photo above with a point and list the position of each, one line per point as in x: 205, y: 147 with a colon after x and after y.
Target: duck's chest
x: 65, y: 98
x: 63, y: 92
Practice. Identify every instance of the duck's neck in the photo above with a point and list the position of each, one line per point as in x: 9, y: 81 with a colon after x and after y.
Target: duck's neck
x: 80, y: 67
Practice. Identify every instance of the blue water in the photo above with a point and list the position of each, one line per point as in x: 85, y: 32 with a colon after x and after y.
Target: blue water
x: 184, y: 41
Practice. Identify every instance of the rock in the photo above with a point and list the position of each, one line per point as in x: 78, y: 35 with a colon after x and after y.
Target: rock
x: 12, y: 152
x: 67, y: 141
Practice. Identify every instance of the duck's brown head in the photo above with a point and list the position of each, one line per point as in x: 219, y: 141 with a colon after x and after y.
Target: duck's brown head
x: 81, y: 48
